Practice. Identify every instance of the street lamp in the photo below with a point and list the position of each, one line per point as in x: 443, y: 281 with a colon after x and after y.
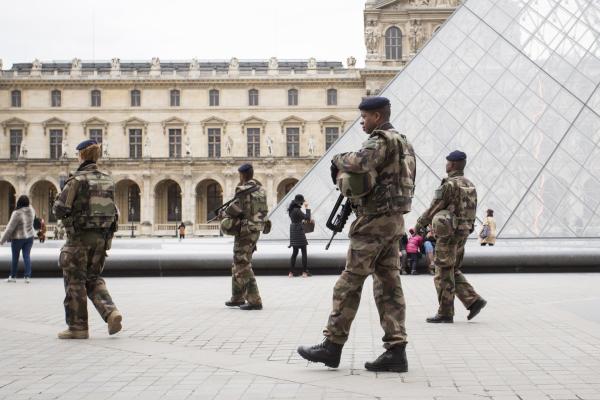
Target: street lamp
x: 131, y: 214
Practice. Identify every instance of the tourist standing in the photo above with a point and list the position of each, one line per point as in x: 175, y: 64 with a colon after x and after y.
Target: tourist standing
x: 19, y: 231
x: 487, y: 235
x: 298, y: 240
x: 181, y: 229
x: 413, y: 250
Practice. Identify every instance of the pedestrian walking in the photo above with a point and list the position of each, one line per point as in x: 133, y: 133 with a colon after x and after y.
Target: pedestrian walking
x: 86, y: 205
x: 19, y: 231
x: 298, y: 240
x: 382, y: 172
x: 413, y: 250
x: 487, y: 235
x: 452, y: 215
x: 181, y: 229
x: 41, y: 233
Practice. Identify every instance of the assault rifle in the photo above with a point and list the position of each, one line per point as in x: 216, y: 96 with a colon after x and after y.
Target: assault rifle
x: 337, y: 221
x: 239, y: 194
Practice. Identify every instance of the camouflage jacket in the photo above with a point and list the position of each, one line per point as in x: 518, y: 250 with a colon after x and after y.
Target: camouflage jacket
x: 392, y: 157
x: 72, y: 203
x: 457, y: 195
x: 252, y: 207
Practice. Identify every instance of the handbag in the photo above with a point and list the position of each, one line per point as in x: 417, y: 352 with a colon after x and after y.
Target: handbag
x: 485, y: 232
x: 308, y: 226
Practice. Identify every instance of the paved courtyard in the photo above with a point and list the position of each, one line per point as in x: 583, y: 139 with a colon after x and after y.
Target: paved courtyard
x: 539, y: 338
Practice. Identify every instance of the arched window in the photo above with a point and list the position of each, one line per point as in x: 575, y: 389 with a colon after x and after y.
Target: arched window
x: 393, y: 43
x: 55, y: 98
x: 332, y: 97
x: 136, y: 98
x: 96, y: 98
x: 15, y: 98
x: 175, y: 98
x: 293, y: 97
x: 253, y: 97
x: 214, y: 199
x: 213, y: 97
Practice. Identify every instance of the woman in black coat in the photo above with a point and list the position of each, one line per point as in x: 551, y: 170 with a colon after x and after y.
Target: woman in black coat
x: 297, y: 235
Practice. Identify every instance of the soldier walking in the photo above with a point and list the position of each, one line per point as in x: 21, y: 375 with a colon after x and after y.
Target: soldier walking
x: 249, y: 212
x: 88, y: 211
x: 452, y: 213
x: 387, y: 161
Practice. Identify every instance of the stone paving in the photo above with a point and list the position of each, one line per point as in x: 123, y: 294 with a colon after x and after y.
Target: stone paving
x: 539, y: 338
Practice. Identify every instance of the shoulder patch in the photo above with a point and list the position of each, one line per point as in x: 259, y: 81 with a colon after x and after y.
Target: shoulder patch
x: 371, y: 144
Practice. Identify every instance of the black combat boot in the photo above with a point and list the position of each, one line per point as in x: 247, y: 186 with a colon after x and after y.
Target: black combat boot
x: 437, y: 319
x: 475, y: 308
x: 393, y: 360
x: 249, y: 307
x: 327, y: 352
x: 235, y: 303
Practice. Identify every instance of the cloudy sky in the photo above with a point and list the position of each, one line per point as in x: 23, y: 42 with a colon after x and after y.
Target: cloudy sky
x: 181, y: 29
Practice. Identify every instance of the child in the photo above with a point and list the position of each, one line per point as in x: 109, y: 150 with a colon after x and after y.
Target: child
x: 413, y: 248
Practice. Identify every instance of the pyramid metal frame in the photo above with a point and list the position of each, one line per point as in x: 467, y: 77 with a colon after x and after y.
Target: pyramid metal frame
x: 515, y: 84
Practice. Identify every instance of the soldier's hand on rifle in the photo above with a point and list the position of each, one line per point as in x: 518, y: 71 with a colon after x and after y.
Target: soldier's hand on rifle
x: 334, y: 172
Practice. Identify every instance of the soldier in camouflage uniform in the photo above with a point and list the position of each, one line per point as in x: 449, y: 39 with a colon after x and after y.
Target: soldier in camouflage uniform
x: 452, y: 213
x: 374, y: 239
x: 251, y: 211
x: 86, y: 207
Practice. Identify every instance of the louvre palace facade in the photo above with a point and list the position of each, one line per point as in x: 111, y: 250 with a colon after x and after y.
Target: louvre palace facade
x: 174, y: 132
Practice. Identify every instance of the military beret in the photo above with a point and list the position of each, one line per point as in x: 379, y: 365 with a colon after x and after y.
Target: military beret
x: 373, y: 103
x: 456, y: 155
x: 86, y: 143
x: 245, y: 168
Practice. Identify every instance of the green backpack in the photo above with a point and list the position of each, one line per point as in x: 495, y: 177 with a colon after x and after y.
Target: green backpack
x: 94, y: 207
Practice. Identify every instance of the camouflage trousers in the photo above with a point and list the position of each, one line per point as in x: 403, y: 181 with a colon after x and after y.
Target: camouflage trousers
x: 449, y: 280
x: 82, y: 261
x: 374, y: 247
x: 243, y: 282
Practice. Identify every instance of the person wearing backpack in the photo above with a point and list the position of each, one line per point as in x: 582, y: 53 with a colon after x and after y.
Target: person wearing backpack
x: 249, y: 212
x: 487, y: 235
x: 87, y: 208
x: 20, y: 233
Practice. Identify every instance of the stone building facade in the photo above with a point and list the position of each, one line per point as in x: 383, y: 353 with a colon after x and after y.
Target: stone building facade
x: 173, y: 133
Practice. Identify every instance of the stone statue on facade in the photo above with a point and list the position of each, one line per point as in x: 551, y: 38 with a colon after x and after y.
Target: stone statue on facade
x: 105, y: 152
x: 351, y: 62
x: 273, y: 63
x: 147, y: 147
x: 311, y: 146
x: 23, y: 151
x: 155, y: 63
x: 417, y: 37
x: 36, y: 67
x: 188, y: 146
x: 420, y: 3
x: 312, y: 63
x: 229, y: 145
x: 76, y: 63
x: 270, y: 145
x: 371, y: 38
x: 115, y: 64
x: 65, y: 147
x: 194, y: 65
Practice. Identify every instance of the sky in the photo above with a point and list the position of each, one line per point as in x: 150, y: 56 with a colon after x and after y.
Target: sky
x: 329, y: 30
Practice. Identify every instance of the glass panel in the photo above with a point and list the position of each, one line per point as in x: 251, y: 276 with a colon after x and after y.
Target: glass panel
x: 432, y: 148
x: 408, y: 124
x: 515, y: 229
x: 455, y: 69
x: 539, y: 145
x: 495, y: 105
x: 443, y: 126
x: 581, y: 86
x: 577, y: 145
x: 587, y: 188
x: 566, y: 105
x: 480, y: 125
x: 405, y: 88
x: 440, y: 87
x: 531, y: 105
x: 424, y: 106
x: 574, y: 214
x: 491, y: 201
x: 484, y: 36
x: 508, y: 189
x: 475, y: 87
x: 523, y: 69
x: 553, y: 125
x: 593, y: 227
x: 503, y: 146
x: 563, y: 167
x: 497, y: 19
x: 544, y: 87
x: 459, y: 106
x: 593, y: 163
x: 524, y: 166
x: 421, y: 70
x: 556, y: 229
x: 484, y: 166
x: 549, y: 190
x: 533, y: 213
x: 464, y: 142
x: 489, y: 69
x: 479, y: 7
x: 509, y: 87
x: 589, y: 124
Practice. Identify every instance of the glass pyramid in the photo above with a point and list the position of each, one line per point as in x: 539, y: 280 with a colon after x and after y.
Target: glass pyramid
x: 516, y: 85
